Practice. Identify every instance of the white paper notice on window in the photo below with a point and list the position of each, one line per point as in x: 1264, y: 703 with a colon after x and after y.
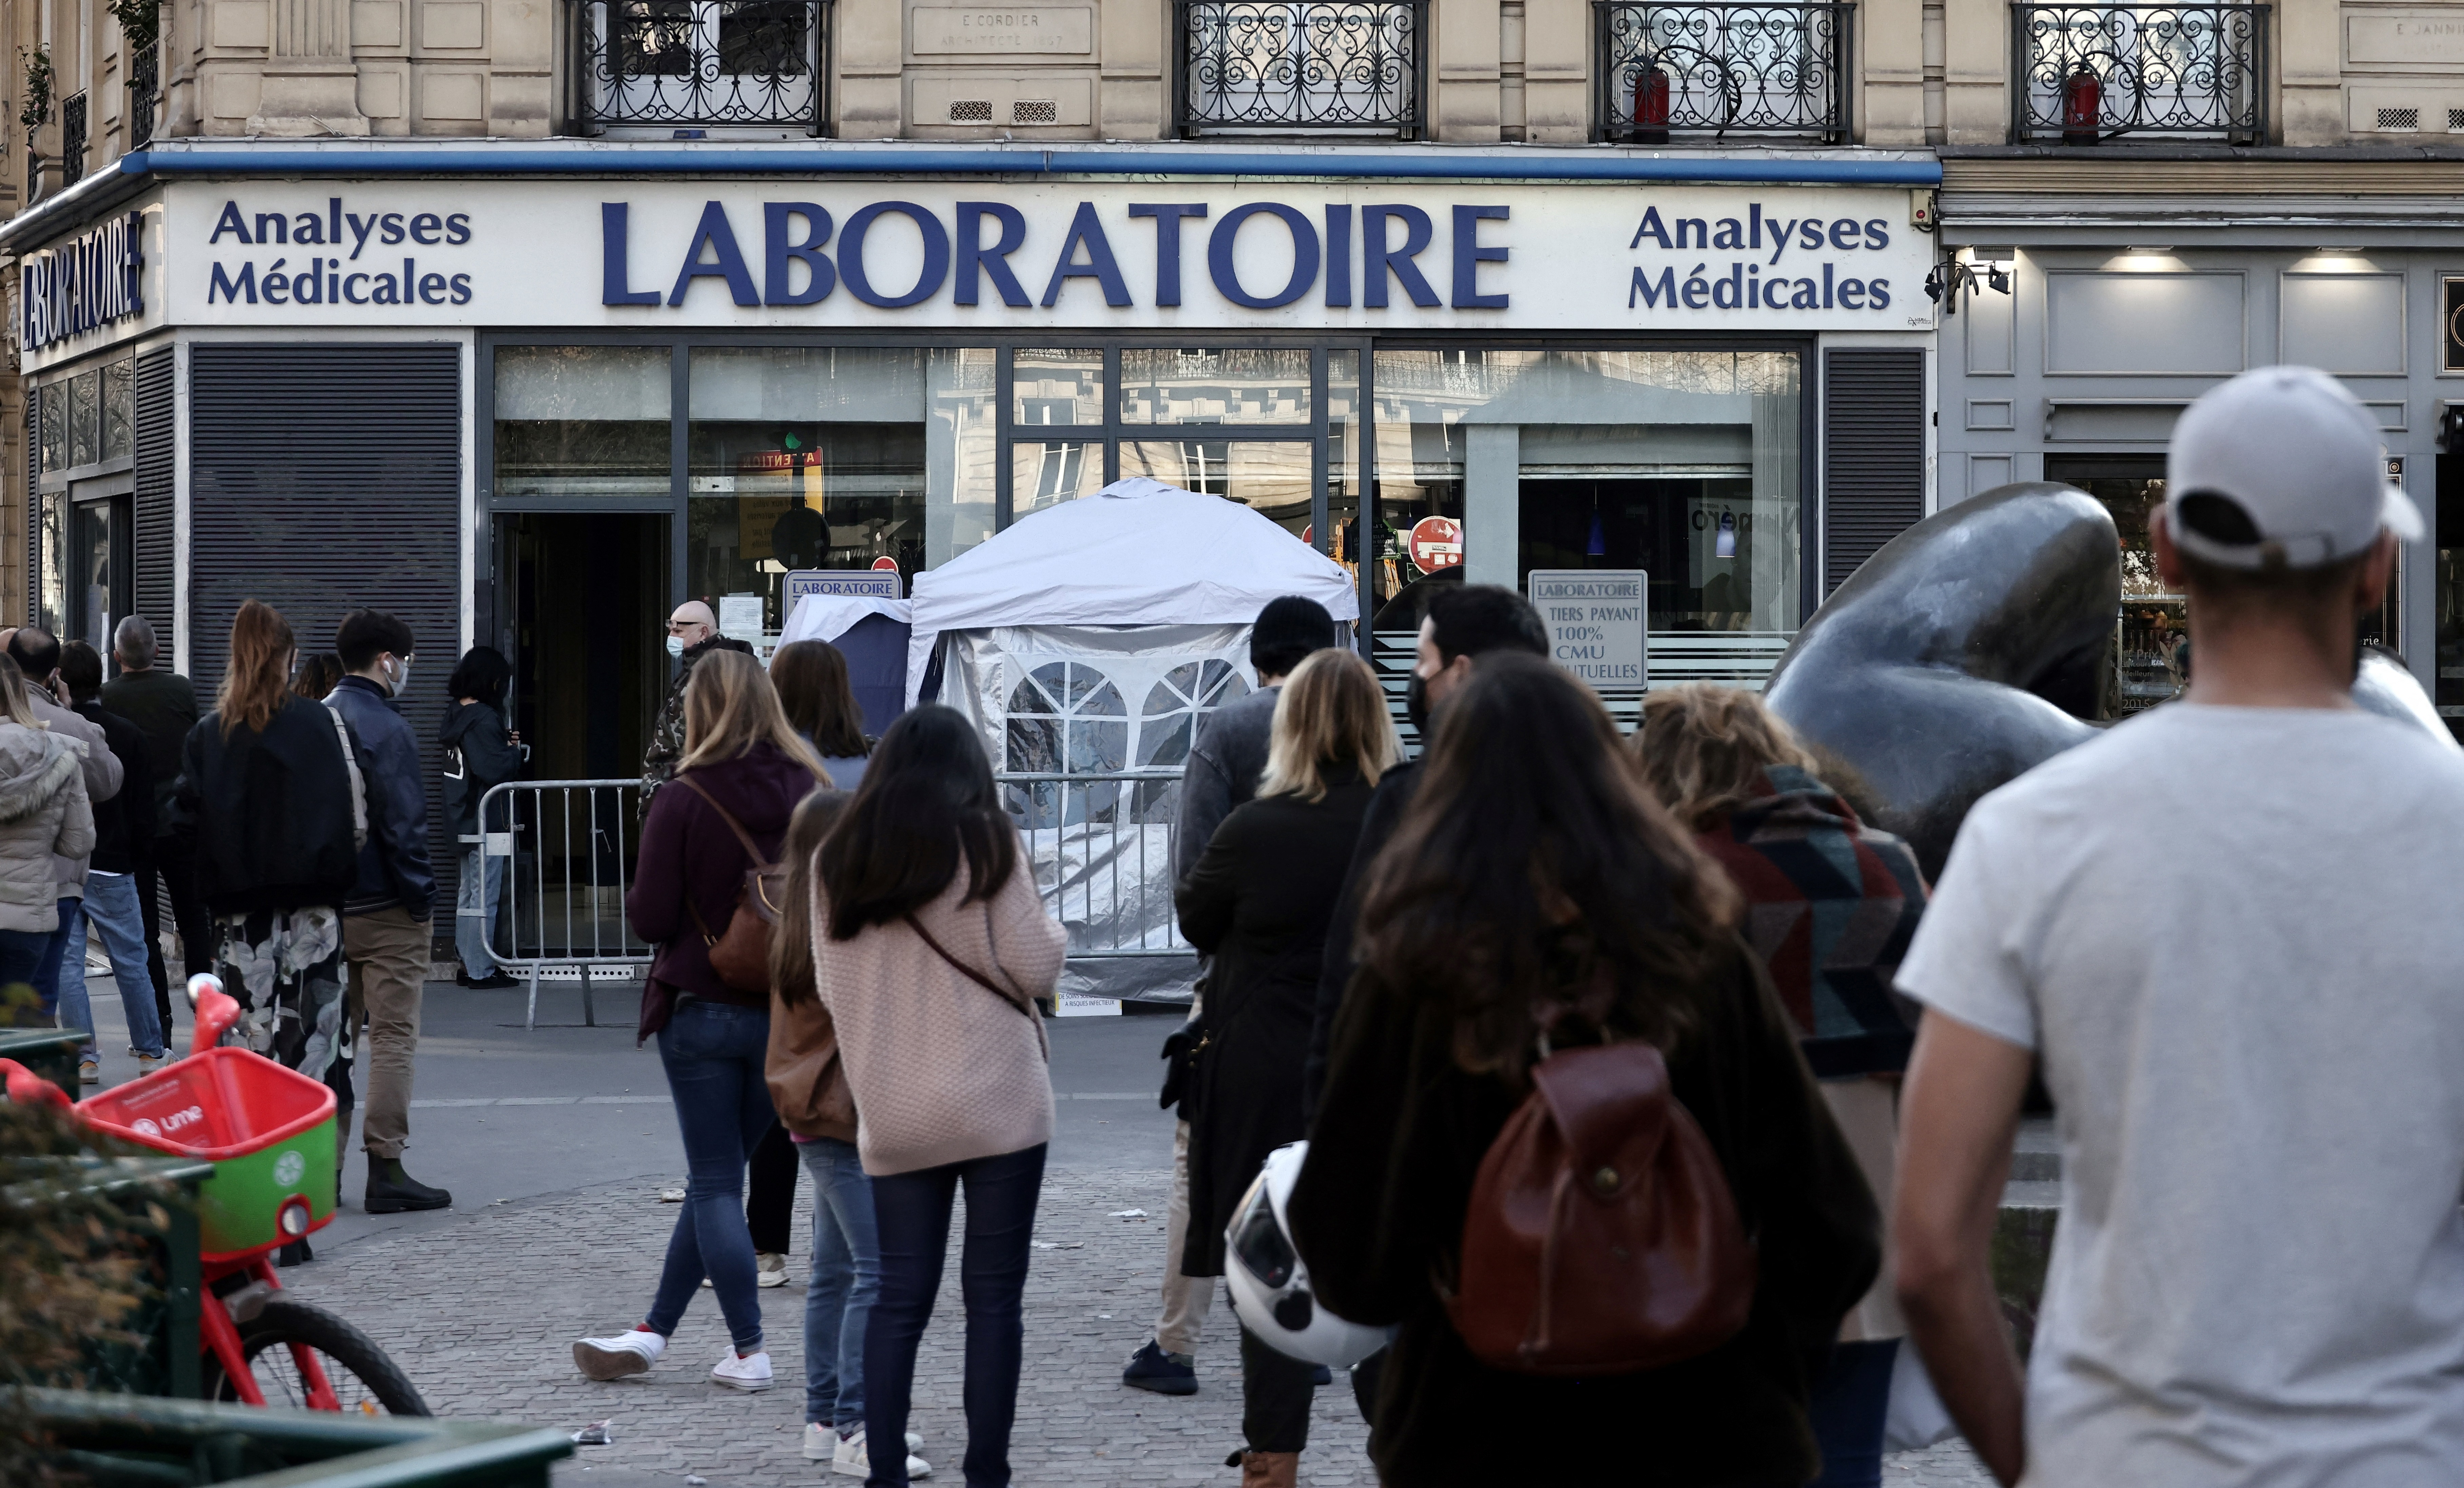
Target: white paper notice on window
x: 739, y: 615
x: 1595, y: 620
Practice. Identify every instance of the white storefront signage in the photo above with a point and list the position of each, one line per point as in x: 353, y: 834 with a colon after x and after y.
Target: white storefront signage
x: 895, y: 255
x: 83, y: 285
x: 1595, y: 620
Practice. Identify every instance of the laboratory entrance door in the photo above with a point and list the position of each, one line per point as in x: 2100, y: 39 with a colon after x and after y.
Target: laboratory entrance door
x: 580, y: 604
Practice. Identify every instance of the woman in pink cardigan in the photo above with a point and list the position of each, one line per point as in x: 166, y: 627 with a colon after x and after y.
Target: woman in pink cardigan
x: 930, y: 947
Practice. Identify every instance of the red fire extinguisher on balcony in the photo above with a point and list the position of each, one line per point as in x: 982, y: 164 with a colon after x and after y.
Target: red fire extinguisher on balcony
x: 1651, y: 106
x: 2082, y: 106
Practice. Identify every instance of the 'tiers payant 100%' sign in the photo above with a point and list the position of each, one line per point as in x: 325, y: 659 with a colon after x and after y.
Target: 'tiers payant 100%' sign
x: 1595, y: 620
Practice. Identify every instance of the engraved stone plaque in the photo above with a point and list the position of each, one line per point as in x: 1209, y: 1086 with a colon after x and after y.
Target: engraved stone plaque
x: 2401, y: 40
x: 1005, y: 31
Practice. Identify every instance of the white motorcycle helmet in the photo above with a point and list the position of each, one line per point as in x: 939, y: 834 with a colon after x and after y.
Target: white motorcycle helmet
x: 1270, y: 1286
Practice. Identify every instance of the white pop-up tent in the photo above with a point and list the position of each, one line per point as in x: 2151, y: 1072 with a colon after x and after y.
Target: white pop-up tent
x: 1089, y: 641
x: 1136, y: 552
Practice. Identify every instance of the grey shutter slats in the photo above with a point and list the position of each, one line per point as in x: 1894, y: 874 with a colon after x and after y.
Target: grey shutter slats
x: 157, y: 432
x: 1873, y: 453
x: 326, y: 478
x: 33, y: 505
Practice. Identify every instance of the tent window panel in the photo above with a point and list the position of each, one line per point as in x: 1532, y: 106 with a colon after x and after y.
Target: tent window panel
x: 1175, y: 706
x: 1164, y: 385
x: 1067, y: 715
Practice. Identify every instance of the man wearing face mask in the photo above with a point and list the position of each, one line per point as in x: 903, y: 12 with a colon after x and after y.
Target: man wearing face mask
x: 1463, y: 623
x: 386, y: 929
x: 693, y: 633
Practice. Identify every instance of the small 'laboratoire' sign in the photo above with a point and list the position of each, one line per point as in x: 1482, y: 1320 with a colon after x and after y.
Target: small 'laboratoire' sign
x: 1595, y: 623
x: 875, y: 583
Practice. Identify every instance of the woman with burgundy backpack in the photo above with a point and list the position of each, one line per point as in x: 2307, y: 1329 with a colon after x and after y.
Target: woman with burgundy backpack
x: 930, y: 949
x: 698, y: 895
x: 1567, y: 1143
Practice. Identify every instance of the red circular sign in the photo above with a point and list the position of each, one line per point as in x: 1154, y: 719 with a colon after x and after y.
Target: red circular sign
x: 886, y: 561
x: 1436, y: 543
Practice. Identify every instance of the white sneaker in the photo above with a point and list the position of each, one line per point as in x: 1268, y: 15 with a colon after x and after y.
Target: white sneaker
x: 855, y: 1460
x: 821, y: 1442
x: 746, y: 1373
x: 769, y: 1269
x: 614, y: 1357
x: 149, y: 1063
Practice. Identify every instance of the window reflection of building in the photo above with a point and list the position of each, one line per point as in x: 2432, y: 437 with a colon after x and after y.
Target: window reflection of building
x: 2152, y: 633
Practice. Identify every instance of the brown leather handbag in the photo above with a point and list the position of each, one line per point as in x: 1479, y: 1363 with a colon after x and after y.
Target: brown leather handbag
x: 1601, y: 1237
x: 741, y: 955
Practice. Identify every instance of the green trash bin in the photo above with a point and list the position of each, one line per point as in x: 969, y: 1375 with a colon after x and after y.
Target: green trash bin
x: 122, y: 1441
x: 49, y: 1052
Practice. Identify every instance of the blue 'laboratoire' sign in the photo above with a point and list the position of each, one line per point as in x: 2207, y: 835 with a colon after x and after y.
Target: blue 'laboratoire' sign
x: 1099, y: 254
x: 84, y: 284
x: 873, y: 583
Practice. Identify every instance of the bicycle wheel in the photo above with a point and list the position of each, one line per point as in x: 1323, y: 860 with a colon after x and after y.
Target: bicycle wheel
x: 365, y: 1382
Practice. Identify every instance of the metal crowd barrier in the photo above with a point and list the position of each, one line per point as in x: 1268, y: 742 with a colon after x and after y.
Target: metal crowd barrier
x: 568, y: 849
x: 1099, y: 843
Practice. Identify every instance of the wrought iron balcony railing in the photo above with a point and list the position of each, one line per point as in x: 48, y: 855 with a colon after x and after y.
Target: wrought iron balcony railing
x: 1722, y: 69
x: 697, y: 64
x: 145, y: 89
x: 2087, y: 72
x: 1301, y: 67
x: 73, y: 139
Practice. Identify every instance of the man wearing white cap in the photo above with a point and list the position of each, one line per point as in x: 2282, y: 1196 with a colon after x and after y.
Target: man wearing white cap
x: 2227, y: 930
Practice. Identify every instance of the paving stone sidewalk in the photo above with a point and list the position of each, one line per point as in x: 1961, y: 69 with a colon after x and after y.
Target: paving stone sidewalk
x: 482, y: 1314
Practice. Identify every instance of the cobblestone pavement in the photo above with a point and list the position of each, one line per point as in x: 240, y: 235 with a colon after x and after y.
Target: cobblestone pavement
x: 482, y: 1315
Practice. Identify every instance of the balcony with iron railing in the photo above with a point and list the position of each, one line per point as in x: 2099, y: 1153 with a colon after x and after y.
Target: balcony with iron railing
x: 145, y: 91
x: 73, y: 114
x: 689, y: 66
x: 2085, y: 74
x: 1283, y: 67
x: 1718, y: 70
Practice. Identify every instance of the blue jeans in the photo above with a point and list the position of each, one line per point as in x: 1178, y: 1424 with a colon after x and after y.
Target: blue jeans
x: 1847, y: 1411
x: 47, y: 975
x: 847, y: 1278
x: 21, y: 962
x: 714, y: 1054
x: 474, y: 909
x: 111, y: 906
x: 914, y: 1209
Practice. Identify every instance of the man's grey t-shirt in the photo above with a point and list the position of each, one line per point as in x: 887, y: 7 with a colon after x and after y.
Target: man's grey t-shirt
x: 2233, y: 937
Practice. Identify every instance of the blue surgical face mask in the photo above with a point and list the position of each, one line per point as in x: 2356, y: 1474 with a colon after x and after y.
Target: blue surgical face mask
x: 675, y: 646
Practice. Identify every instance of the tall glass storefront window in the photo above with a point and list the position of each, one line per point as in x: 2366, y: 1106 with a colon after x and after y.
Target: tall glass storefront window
x: 582, y: 420
x: 2150, y: 643
x: 829, y: 458
x: 1683, y: 464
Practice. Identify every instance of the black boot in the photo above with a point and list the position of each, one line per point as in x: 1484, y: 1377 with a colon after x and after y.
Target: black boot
x: 295, y: 1253
x: 391, y: 1191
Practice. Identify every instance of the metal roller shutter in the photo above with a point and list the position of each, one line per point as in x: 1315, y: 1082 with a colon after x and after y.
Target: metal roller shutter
x: 157, y: 434
x: 33, y: 506
x: 326, y: 478
x: 1873, y: 453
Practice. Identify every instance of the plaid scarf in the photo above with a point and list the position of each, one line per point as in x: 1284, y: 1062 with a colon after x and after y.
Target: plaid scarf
x: 1831, y: 905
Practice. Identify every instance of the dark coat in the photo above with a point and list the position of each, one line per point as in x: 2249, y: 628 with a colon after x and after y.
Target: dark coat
x: 275, y: 815
x: 667, y: 743
x: 394, y: 866
x: 164, y: 706
x: 1378, y: 827
x: 124, y: 826
x: 1260, y: 902
x: 1379, y: 1211
x: 689, y: 853
x: 479, y: 754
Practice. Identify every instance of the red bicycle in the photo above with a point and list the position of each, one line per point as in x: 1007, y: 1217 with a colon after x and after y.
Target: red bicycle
x: 268, y: 1131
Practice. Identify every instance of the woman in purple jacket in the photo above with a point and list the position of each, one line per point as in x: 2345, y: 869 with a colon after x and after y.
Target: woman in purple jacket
x: 742, y: 768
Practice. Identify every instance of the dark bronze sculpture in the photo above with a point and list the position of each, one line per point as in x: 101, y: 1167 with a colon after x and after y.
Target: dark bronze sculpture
x: 1974, y: 647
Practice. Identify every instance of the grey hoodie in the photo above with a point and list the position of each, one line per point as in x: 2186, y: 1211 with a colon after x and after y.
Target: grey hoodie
x: 44, y: 816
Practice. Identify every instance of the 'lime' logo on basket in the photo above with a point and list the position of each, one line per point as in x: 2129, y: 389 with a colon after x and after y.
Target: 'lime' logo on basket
x: 146, y: 1128
x: 288, y: 1168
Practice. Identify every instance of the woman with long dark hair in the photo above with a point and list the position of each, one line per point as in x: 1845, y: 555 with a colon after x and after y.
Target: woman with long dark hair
x: 480, y: 754
x: 270, y: 780
x: 931, y: 947
x: 1536, y: 894
x: 1258, y: 901
x: 317, y: 674
x: 724, y: 813
x: 811, y: 677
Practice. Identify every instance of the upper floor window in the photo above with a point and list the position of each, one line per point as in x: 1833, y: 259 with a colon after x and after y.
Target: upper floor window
x: 1302, y: 67
x: 1720, y: 69
x: 695, y: 64
x: 2087, y: 72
